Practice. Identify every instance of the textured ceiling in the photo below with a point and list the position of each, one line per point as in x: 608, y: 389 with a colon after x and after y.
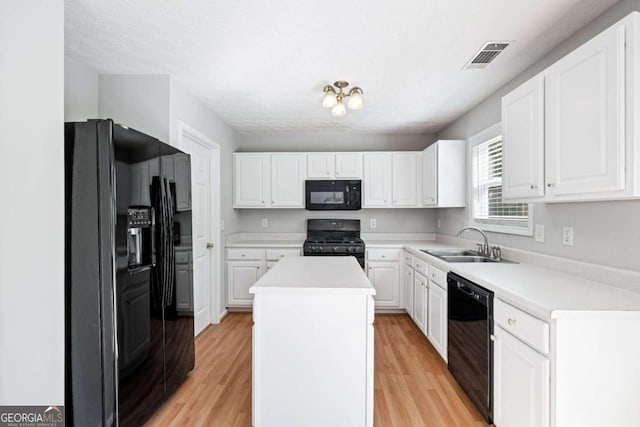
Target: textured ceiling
x: 261, y: 65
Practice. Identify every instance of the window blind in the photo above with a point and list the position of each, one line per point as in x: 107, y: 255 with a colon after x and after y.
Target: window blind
x: 488, y: 206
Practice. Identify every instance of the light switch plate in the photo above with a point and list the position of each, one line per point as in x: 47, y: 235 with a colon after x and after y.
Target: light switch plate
x: 265, y: 222
x: 567, y: 236
x: 372, y: 223
x: 539, y: 233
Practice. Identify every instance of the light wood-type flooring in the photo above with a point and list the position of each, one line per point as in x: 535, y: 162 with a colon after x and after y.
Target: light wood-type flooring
x: 412, y: 385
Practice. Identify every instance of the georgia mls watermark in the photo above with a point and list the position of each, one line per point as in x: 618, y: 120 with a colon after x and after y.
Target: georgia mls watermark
x: 31, y: 416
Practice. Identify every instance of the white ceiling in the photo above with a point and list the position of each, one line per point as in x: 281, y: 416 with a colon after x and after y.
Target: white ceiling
x: 261, y: 65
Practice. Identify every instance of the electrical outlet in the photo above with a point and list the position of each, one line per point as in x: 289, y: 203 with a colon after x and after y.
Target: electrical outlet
x: 372, y: 223
x: 539, y: 233
x: 438, y: 222
x: 567, y: 236
x: 265, y: 222
x: 221, y: 225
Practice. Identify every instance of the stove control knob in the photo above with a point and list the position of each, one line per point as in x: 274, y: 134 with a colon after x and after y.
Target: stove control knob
x: 336, y: 248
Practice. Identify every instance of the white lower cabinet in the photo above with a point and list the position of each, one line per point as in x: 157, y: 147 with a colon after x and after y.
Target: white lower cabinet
x: 241, y: 275
x: 437, y: 318
x: 384, y: 276
x: 184, y: 280
x: 407, y: 279
x: 245, y: 266
x: 521, y: 383
x: 420, y: 295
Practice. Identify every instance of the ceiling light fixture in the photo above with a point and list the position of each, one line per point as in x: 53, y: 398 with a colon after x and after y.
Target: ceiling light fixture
x: 334, y: 98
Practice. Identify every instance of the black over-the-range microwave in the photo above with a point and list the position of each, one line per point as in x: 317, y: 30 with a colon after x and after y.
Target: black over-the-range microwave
x: 333, y: 195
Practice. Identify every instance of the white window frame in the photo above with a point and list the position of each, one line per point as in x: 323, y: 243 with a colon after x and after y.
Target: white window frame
x: 485, y: 135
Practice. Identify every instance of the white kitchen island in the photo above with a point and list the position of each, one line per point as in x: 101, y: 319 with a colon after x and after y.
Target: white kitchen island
x: 313, y: 344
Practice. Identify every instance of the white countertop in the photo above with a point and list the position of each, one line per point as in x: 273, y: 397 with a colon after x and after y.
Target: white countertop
x: 326, y: 275
x: 540, y: 291
x: 265, y: 244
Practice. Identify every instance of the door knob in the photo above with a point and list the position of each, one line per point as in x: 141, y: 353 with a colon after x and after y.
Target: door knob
x: 209, y: 245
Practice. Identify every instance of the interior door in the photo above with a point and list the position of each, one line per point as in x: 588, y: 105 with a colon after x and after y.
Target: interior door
x: 202, y: 234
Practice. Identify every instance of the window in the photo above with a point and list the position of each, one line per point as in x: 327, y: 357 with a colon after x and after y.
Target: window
x: 488, y: 210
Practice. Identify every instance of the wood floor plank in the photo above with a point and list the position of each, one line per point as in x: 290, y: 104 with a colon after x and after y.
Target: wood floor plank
x: 412, y: 386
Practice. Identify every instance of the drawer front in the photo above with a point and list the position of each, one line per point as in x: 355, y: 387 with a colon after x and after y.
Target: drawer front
x: 421, y: 267
x: 244, y: 254
x: 182, y: 257
x: 529, y: 329
x: 438, y: 276
x: 409, y: 260
x: 276, y: 254
x: 383, y: 254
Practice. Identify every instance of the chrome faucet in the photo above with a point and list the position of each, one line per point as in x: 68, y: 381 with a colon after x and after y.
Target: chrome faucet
x: 484, y: 250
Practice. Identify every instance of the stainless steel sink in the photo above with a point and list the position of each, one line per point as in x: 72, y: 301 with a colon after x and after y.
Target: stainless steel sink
x: 468, y: 258
x: 462, y: 255
x: 451, y: 252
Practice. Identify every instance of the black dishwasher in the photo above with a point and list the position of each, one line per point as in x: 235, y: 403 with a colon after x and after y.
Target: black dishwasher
x: 470, y: 349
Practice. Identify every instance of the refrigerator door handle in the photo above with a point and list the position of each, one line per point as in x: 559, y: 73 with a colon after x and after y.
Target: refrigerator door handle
x: 153, y: 237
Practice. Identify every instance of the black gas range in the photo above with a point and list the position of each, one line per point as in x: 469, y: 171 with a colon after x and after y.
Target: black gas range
x: 334, y: 237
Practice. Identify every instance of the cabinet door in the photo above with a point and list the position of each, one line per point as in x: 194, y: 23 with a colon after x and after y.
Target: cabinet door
x: 168, y: 168
x: 384, y: 276
x: 523, y: 141
x: 404, y: 168
x: 288, y: 173
x: 521, y: 383
x: 251, y: 180
x: 430, y: 175
x: 184, y: 289
x: 419, y: 297
x: 377, y: 180
x: 182, y: 176
x: 241, y: 275
x: 408, y: 289
x: 349, y: 165
x: 320, y: 166
x: 585, y: 104
x: 437, y: 318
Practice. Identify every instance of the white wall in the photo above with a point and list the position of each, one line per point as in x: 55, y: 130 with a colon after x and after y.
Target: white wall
x: 187, y: 108
x: 80, y: 91
x: 295, y: 220
x: 332, y: 141
x: 605, y: 232
x: 32, y: 194
x: 138, y: 101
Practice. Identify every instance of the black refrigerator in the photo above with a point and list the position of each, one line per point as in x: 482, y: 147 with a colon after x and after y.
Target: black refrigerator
x: 128, y: 347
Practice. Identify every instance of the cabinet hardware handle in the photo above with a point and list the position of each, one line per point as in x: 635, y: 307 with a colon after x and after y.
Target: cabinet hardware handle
x: 209, y: 245
x: 533, y: 186
x: 511, y: 321
x: 551, y: 185
x: 492, y: 337
x: 242, y: 255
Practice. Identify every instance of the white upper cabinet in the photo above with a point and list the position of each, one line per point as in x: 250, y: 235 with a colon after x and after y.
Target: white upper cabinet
x: 585, y: 117
x: 570, y: 133
x: 348, y: 165
x: 251, y: 180
x: 287, y: 180
x: 377, y: 180
x: 320, y: 166
x: 523, y: 141
x: 443, y: 174
x: 404, y: 179
x: 430, y: 175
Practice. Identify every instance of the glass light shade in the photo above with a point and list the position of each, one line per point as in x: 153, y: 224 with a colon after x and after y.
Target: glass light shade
x: 355, y: 101
x: 329, y: 99
x: 339, y: 109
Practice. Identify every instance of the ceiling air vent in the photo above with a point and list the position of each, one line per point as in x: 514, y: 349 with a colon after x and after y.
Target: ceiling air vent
x: 485, y: 55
